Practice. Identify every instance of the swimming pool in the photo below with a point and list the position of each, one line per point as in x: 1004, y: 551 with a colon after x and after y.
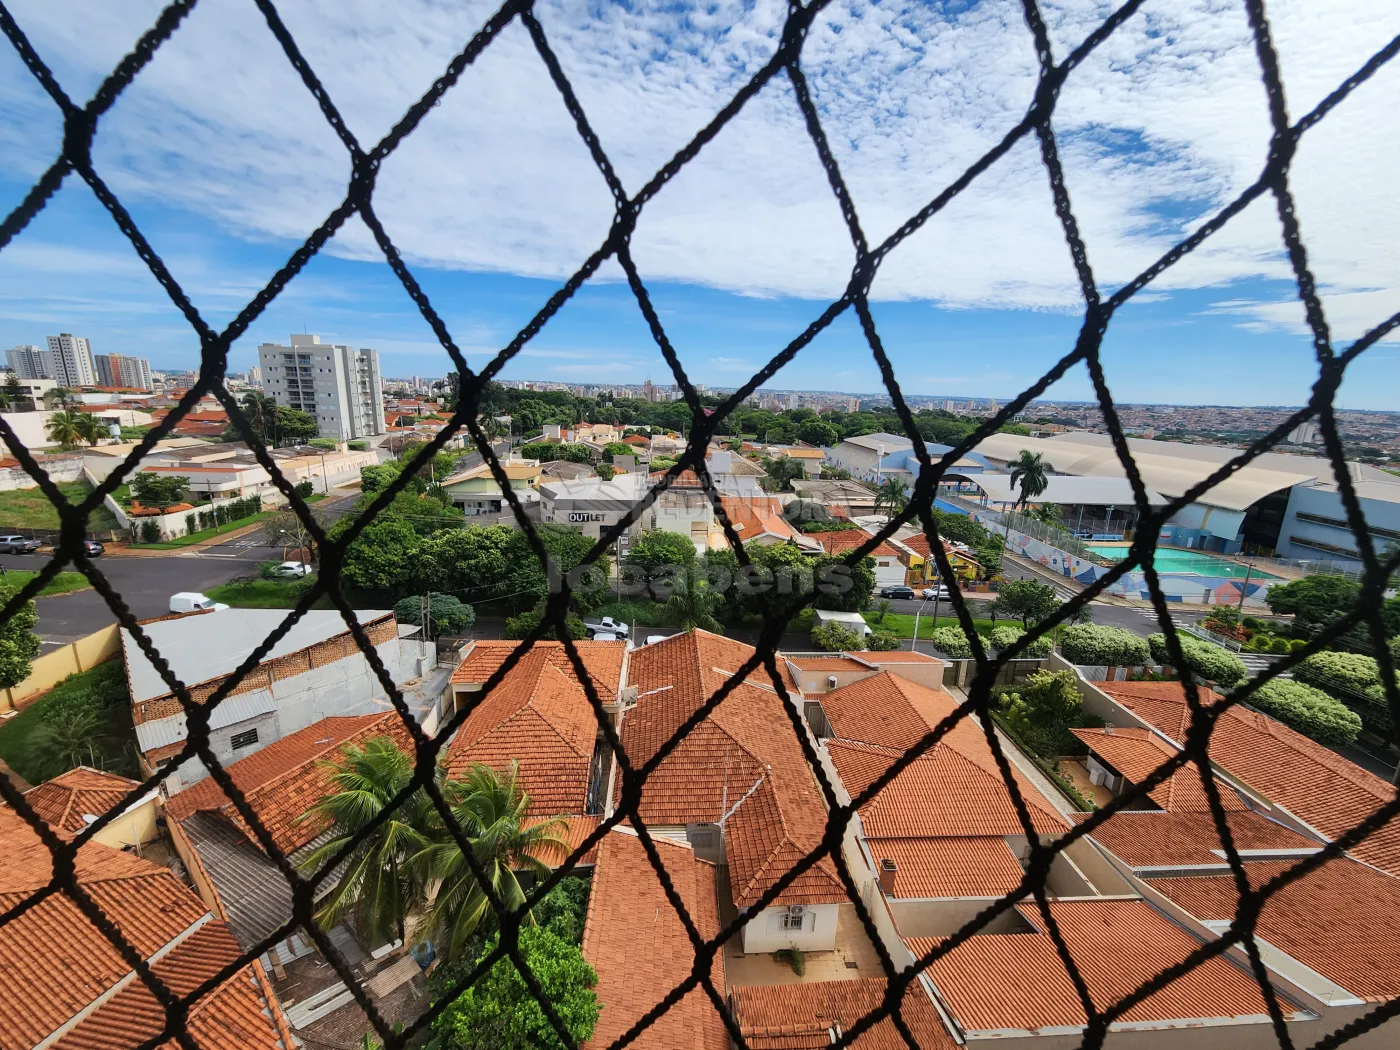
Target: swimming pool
x: 1174, y: 559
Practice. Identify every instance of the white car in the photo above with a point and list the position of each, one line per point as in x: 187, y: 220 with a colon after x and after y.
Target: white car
x: 939, y: 591
x: 290, y: 569
x: 607, y: 629
x: 193, y: 601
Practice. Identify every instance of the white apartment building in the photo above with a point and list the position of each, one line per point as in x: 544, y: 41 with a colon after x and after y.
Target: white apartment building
x: 72, y: 360
x: 120, y: 370
x: 30, y: 362
x: 339, y: 385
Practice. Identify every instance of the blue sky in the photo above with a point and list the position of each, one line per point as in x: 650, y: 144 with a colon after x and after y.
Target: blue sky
x: 225, y: 163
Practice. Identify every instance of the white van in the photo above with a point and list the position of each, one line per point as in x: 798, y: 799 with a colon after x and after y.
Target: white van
x: 193, y: 601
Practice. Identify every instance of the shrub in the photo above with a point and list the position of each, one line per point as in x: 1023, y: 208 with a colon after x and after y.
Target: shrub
x: 191, y: 523
x: 323, y: 443
x: 1281, y: 647
x: 1102, y: 646
x: 357, y: 446
x: 881, y: 642
x: 305, y: 489
x: 448, y: 615
x: 1341, y: 674
x: 1310, y: 711
x: 1006, y: 637
x: 1206, y: 661
x: 150, y: 532
x: 951, y: 642
x: 520, y: 626
x: 836, y: 637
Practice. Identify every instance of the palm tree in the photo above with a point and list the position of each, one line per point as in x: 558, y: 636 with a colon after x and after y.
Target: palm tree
x: 490, y: 808
x: 69, y: 740
x: 379, y: 885
x: 1028, y: 472
x: 891, y: 496
x: 261, y: 411
x: 59, y: 395
x: 66, y: 428
x: 695, y: 606
x: 89, y: 429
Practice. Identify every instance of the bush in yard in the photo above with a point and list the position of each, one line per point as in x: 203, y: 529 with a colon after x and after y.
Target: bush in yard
x: 158, y: 490
x: 446, y: 613
x: 1343, y: 675
x: 520, y: 626
x: 1102, y: 646
x: 1006, y: 637
x: 836, y: 637
x: 18, y: 643
x: 951, y: 642
x: 191, y: 523
x: 150, y: 532
x: 1041, y: 710
x: 357, y: 446
x: 1310, y: 711
x: 1207, y: 661
x: 305, y: 489
x: 881, y: 642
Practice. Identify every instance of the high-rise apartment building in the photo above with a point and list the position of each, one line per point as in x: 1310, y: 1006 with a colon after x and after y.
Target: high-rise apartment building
x: 72, y: 360
x: 338, y: 385
x: 30, y: 362
x: 120, y: 370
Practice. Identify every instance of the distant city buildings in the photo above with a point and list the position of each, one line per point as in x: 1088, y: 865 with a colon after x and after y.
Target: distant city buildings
x: 339, y: 386
x: 120, y: 370
x: 30, y: 362
x: 72, y: 360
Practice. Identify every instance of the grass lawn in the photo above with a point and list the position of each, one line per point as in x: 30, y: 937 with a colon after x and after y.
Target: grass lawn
x: 902, y: 624
x: 31, y: 509
x: 204, y: 534
x: 20, y: 735
x: 63, y: 583
x: 263, y: 594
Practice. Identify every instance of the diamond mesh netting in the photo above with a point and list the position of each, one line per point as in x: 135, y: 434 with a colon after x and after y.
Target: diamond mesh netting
x: 80, y: 124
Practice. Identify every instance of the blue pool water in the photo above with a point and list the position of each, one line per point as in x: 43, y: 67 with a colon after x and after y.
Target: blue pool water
x: 1174, y: 559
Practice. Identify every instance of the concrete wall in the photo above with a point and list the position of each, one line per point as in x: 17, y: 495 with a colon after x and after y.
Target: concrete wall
x: 58, y: 468
x: 57, y: 664
x: 30, y: 428
x: 764, y: 932
x: 135, y: 827
x: 1334, y: 540
x: 812, y: 682
x: 925, y: 672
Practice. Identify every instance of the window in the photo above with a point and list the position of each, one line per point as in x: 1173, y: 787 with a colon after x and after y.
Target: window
x: 247, y: 738
x: 794, y: 917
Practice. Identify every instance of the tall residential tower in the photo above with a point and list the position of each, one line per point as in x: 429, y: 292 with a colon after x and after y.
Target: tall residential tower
x: 72, y: 360
x: 338, y: 385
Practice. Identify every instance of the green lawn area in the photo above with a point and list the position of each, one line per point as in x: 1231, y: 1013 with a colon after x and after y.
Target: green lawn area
x: 20, y: 736
x: 902, y: 624
x: 264, y: 594
x: 203, y: 534
x: 31, y: 509
x: 63, y: 583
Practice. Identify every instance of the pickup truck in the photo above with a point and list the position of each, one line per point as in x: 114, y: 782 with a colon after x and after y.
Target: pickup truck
x: 607, y: 627
x: 18, y: 545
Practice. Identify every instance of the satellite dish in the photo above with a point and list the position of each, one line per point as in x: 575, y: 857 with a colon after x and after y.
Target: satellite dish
x: 88, y: 818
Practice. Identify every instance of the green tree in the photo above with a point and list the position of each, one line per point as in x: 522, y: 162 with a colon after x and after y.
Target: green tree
x: 520, y: 626
x: 159, y: 490
x: 836, y: 638
x: 294, y: 425
x: 815, y: 432
x: 613, y: 449
x: 88, y: 427
x: 661, y: 559
x: 498, y: 1012
x: 69, y: 738
x: 606, y: 471
x: 19, y: 645
x: 803, y: 512
x: 782, y: 472
x: 490, y: 808
x: 64, y: 427
x: 383, y: 556
x: 14, y: 393
x: 891, y: 497
x: 695, y: 605
x: 1314, y: 599
x: 1029, y: 601
x: 379, y: 884
x: 1028, y: 474
x: 446, y: 614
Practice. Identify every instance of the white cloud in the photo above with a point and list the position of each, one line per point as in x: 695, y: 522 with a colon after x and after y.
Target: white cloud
x: 1161, y: 126
x: 731, y: 364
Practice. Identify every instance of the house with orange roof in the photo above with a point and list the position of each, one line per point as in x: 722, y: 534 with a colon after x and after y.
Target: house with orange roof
x: 889, y: 570
x: 922, y: 568
x: 809, y: 1016
x: 759, y: 519
x: 73, y: 800
x: 67, y: 986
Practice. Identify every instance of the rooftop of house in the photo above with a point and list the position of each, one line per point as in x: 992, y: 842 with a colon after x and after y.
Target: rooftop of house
x: 59, y: 965
x: 827, y: 662
x: 69, y: 799
x: 1148, y: 838
x: 967, y: 866
x: 996, y: 982
x: 515, y: 470
x: 562, y: 468
x: 843, y: 540
x: 811, y: 1016
x: 602, y: 660
x: 1341, y: 921
x: 634, y: 939
x: 833, y: 490
x: 744, y: 751
x: 755, y: 517
x: 1315, y: 784
x: 283, y: 780
x: 881, y: 440
x: 1136, y: 754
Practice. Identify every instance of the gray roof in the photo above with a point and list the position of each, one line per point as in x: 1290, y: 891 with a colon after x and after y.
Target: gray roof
x: 209, y: 645
x: 254, y: 893
x: 1065, y: 488
x: 231, y: 710
x: 890, y: 442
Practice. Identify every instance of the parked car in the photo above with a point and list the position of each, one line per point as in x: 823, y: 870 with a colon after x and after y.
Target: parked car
x: 92, y: 548
x: 937, y: 591
x: 291, y: 569
x: 193, y: 601
x: 18, y: 545
x: 899, y: 591
x: 607, y: 628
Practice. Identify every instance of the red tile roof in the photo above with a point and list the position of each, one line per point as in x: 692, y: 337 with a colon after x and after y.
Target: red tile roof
x: 634, y: 939
x: 899, y: 656
x: 807, y: 1016
x: 1017, y: 980
x: 1343, y: 920
x: 843, y: 540
x: 746, y: 749
x: 1154, y: 839
x: 760, y: 516
x: 1136, y: 754
x: 63, y: 801
x: 834, y: 662
x: 283, y: 780
x: 1314, y: 784
x: 539, y: 717
x: 949, y: 867
x: 602, y: 661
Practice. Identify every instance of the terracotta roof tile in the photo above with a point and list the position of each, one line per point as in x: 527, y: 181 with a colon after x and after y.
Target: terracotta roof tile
x: 635, y: 941
x: 899, y: 656
x: 745, y: 750
x: 1017, y: 980
x: 1153, y: 838
x: 63, y: 801
x: 1343, y: 920
x: 761, y: 516
x: 981, y: 866
x: 1136, y: 754
x: 834, y: 662
x: 841, y: 541
x: 576, y: 829
x: 1317, y: 785
x: 806, y: 1016
x: 602, y: 660
x: 283, y: 780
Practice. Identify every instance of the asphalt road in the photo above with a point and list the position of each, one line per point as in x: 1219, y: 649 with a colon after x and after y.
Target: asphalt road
x: 145, y: 584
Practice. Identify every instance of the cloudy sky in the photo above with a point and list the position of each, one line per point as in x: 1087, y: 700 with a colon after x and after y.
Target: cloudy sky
x: 224, y: 159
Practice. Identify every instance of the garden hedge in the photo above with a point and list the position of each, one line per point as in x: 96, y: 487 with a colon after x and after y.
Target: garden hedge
x: 1207, y: 661
x: 1006, y: 637
x: 951, y: 642
x: 1102, y: 646
x: 1345, y: 675
x: 1310, y: 711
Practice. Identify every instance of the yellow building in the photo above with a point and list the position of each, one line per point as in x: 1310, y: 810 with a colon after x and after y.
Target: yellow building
x: 73, y: 800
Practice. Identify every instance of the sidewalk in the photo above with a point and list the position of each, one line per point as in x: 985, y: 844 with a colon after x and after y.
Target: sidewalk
x: 193, y: 548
